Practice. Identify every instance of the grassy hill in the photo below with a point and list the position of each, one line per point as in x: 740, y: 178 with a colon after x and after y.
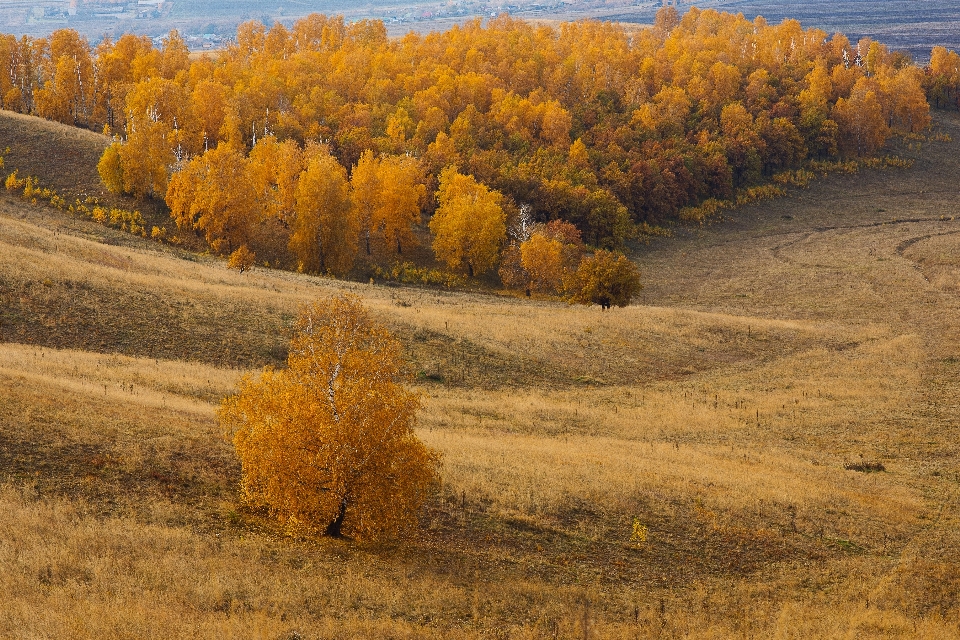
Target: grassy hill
x: 772, y: 358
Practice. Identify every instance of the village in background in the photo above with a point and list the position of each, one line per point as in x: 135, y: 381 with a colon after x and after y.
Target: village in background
x: 908, y: 25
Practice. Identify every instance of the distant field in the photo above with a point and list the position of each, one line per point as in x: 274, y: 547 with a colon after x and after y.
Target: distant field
x: 768, y: 352
x: 909, y: 25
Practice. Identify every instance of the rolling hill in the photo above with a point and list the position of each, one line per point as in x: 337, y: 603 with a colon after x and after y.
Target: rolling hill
x: 695, y: 465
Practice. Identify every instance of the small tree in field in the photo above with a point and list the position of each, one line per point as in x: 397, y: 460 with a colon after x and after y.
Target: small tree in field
x: 605, y: 278
x: 327, y: 445
x: 242, y: 259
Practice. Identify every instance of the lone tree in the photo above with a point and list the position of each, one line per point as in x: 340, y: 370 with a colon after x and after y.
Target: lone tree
x: 327, y: 444
x: 605, y: 278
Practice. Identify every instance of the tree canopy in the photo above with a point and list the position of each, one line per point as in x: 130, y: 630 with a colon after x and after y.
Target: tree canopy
x: 327, y: 444
x: 605, y: 278
x: 469, y: 226
x: 583, y: 122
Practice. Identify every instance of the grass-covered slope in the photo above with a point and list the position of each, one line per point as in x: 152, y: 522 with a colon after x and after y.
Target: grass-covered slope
x: 767, y: 354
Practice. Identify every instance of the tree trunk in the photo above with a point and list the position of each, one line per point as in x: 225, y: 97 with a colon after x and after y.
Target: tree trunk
x: 469, y: 270
x: 334, y: 529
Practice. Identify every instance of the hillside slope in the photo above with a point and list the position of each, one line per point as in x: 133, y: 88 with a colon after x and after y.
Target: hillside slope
x: 768, y: 353
x: 64, y: 158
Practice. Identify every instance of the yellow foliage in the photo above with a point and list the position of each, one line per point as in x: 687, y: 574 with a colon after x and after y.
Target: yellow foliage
x: 470, y: 224
x: 605, y: 278
x: 755, y: 194
x: 706, y: 209
x: 386, y: 197
x: 214, y: 193
x: 13, y: 183
x: 242, y: 259
x: 638, y: 535
x: 324, y: 233
x: 409, y: 273
x: 799, y: 178
x: 542, y: 258
x: 274, y: 168
x: 327, y: 445
x: 110, y: 168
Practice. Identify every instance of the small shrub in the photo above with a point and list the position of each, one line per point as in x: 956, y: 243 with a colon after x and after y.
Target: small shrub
x: 865, y: 467
x: 13, y: 183
x: 242, y: 259
x: 706, y: 209
x: 800, y: 178
x: 639, y: 534
x: 834, y: 166
x: 756, y: 194
x: 408, y: 273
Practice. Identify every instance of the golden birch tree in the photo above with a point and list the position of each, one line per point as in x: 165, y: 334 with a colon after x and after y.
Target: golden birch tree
x: 386, y: 195
x: 470, y: 224
x: 327, y: 444
x: 364, y: 193
x: 214, y: 193
x: 324, y: 233
x: 400, y: 196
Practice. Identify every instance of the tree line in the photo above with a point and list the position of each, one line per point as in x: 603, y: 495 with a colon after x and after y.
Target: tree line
x: 326, y: 139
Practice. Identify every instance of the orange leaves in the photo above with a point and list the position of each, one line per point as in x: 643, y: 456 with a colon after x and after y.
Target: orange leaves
x: 400, y: 196
x: 242, y: 259
x: 545, y: 261
x: 542, y: 258
x: 364, y: 192
x: 860, y: 118
x: 139, y: 167
x: 386, y: 194
x: 667, y: 114
x: 470, y: 225
x: 275, y: 168
x: 535, y: 118
x: 214, y: 193
x: 67, y: 92
x: 324, y: 233
x: 110, y: 168
x: 327, y: 444
x: 662, y: 119
x: 208, y: 104
x: 942, y: 83
x: 605, y: 278
x: 907, y: 107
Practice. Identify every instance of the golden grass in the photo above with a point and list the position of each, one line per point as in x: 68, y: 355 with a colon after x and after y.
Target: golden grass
x: 767, y: 354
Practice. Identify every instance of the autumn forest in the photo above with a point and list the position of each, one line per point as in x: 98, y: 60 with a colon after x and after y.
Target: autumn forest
x: 306, y: 147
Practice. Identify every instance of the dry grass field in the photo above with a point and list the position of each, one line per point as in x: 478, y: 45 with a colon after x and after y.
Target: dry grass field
x: 769, y: 352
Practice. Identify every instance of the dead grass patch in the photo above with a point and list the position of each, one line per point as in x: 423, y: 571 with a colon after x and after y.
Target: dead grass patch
x: 768, y: 353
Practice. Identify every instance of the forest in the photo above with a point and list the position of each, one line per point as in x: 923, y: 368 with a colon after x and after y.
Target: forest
x: 308, y: 147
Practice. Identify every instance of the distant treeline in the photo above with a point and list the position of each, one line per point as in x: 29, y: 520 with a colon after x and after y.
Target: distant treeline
x: 587, y: 123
